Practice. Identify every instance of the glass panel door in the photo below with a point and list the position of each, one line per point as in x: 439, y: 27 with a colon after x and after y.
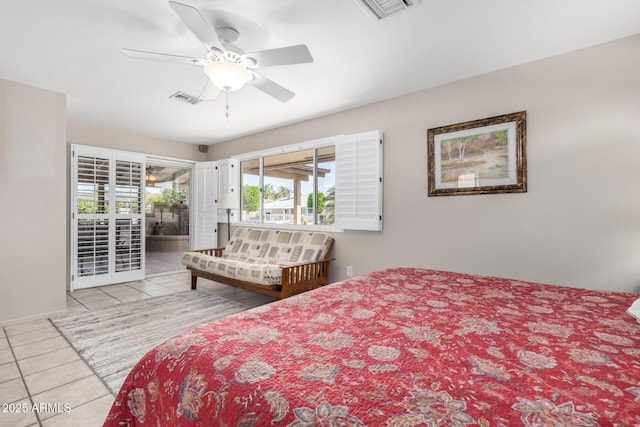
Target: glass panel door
x: 167, y: 204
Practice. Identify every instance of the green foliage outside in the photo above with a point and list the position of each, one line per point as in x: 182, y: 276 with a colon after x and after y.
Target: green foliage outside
x: 321, y: 202
x: 250, y: 198
x: 269, y: 192
x: 171, y: 196
x: 91, y: 206
x: 95, y: 207
x: 168, y: 196
x: 329, y: 206
x: 326, y: 203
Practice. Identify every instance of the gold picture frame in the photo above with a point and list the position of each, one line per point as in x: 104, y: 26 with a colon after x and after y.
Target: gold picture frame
x: 478, y: 157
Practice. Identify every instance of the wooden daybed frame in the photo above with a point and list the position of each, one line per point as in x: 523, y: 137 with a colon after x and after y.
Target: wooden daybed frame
x: 295, y: 278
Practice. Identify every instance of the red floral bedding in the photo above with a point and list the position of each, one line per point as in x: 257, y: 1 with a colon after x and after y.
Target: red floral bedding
x: 400, y: 347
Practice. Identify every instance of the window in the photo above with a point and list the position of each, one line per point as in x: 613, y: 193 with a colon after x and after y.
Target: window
x: 297, y: 185
x: 294, y: 190
x: 250, y: 182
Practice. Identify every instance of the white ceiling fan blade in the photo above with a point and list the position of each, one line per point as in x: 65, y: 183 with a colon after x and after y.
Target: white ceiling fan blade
x: 199, y: 26
x: 271, y: 88
x: 298, y: 54
x: 163, y: 57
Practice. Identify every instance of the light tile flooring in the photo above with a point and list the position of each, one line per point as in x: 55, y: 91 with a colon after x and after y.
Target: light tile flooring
x: 44, y: 382
x: 160, y: 261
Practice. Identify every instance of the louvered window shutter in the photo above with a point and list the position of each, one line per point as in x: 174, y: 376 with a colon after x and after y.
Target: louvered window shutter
x: 107, y: 217
x: 91, y: 220
x: 129, y: 216
x: 359, y: 181
x: 205, y: 218
x: 229, y: 188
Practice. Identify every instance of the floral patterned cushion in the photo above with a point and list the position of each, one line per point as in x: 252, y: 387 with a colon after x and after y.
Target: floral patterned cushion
x: 257, y: 255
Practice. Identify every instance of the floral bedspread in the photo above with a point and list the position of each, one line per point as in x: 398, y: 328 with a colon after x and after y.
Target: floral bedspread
x: 400, y: 347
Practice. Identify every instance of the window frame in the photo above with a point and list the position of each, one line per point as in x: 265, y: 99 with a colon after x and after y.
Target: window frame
x: 292, y: 148
x: 365, y: 180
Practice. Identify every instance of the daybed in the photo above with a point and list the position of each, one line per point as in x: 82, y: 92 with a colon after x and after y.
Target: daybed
x: 278, y: 263
x: 400, y: 347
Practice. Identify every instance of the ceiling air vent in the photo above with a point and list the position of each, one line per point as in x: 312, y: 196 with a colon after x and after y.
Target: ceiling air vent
x: 185, y: 97
x: 381, y: 9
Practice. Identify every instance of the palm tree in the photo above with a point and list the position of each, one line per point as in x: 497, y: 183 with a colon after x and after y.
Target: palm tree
x: 267, y: 192
x: 283, y: 192
x: 329, y: 210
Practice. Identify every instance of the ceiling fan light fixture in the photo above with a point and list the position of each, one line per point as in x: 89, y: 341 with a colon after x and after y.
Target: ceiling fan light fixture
x: 227, y: 76
x: 149, y: 176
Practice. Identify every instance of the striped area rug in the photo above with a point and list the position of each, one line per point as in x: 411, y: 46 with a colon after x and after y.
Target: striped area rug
x: 113, y: 339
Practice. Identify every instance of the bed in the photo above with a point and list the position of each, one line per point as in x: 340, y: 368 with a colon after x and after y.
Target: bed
x: 400, y: 347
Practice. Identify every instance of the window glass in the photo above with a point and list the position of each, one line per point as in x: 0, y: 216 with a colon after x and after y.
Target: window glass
x: 93, y: 185
x: 284, y: 176
x: 297, y: 186
x: 250, y: 178
x: 293, y: 184
x: 326, y: 185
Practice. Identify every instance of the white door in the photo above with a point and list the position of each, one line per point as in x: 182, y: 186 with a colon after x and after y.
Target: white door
x: 107, y: 217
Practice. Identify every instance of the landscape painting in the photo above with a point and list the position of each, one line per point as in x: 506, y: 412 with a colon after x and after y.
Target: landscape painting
x: 478, y: 157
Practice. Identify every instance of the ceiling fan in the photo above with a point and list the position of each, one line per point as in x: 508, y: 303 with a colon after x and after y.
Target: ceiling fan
x: 227, y: 66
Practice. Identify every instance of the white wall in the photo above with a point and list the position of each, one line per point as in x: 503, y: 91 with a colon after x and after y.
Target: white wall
x: 33, y: 220
x: 34, y: 191
x: 579, y: 223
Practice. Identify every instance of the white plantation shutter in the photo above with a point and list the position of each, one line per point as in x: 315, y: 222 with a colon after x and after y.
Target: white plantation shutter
x: 129, y: 217
x: 229, y: 188
x: 205, y: 221
x: 107, y: 217
x: 359, y: 182
x: 90, y: 218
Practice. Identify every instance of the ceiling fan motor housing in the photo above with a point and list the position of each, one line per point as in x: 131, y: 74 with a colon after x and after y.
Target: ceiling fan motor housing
x: 228, y: 35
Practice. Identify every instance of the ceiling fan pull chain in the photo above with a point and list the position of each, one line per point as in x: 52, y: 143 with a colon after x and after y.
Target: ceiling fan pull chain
x: 226, y: 113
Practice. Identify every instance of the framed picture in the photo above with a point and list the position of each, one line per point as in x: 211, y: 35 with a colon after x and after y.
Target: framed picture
x: 478, y: 157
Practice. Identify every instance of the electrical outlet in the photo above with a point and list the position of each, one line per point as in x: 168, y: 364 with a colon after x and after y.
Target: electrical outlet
x: 349, y: 271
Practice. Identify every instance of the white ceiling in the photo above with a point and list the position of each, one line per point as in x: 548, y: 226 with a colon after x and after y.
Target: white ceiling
x: 73, y: 47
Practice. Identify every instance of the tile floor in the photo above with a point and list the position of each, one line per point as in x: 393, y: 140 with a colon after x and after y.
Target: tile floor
x: 39, y: 370
x: 161, y: 261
